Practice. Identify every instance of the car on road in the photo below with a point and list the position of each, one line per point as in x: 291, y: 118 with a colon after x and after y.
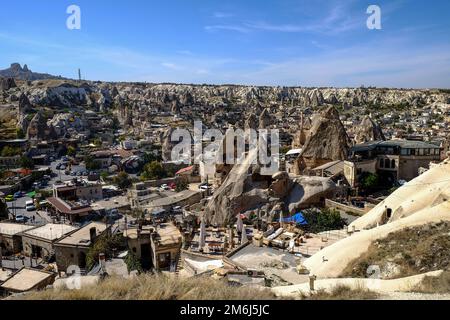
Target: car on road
x: 73, y: 173
x: 18, y: 194
x: 205, y: 186
x: 22, y: 219
x: 63, y: 167
x: 29, y: 206
x: 9, y: 198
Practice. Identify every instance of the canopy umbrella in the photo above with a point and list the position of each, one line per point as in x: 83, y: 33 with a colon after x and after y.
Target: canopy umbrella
x: 244, y: 238
x: 239, y: 223
x: 31, y: 194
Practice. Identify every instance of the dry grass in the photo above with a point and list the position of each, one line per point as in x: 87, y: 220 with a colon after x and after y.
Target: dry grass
x: 150, y: 287
x: 439, y: 284
x: 342, y: 293
x: 413, y: 250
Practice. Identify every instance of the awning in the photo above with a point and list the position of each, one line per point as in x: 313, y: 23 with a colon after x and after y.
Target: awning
x: 297, y: 218
x: 32, y: 194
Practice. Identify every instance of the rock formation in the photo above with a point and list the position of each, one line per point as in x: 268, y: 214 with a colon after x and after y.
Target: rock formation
x: 265, y: 119
x: 39, y: 130
x: 327, y: 141
x: 367, y: 131
x: 7, y: 83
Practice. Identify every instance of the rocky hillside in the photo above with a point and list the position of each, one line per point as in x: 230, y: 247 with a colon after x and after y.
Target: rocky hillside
x: 17, y: 72
x: 405, y: 253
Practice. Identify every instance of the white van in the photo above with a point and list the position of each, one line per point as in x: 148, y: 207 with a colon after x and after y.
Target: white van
x: 29, y: 205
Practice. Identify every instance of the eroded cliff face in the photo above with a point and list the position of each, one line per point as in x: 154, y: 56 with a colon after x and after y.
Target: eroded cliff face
x: 327, y: 140
x: 367, y: 131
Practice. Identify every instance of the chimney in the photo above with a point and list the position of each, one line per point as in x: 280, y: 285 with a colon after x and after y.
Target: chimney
x: 92, y: 234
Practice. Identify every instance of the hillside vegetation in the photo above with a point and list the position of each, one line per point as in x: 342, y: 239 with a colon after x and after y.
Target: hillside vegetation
x: 151, y: 287
x: 405, y: 253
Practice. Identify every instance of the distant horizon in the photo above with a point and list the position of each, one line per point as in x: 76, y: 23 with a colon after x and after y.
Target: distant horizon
x: 223, y: 84
x: 291, y: 43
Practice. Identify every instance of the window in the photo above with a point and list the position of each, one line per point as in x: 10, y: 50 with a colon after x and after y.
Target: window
x: 381, y: 163
x: 393, y: 165
x: 387, y: 163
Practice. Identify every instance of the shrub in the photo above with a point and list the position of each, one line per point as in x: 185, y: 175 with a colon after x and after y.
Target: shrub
x: 323, y: 220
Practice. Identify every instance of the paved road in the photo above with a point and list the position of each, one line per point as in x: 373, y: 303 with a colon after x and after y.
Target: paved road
x: 17, y: 207
x: 60, y: 175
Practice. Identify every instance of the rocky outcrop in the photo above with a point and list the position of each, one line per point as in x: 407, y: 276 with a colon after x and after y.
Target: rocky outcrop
x: 167, y: 144
x: 7, y: 83
x: 308, y: 191
x: 327, y: 141
x: 367, y: 131
x: 265, y: 119
x: 39, y: 130
x: 251, y: 122
x: 16, y: 71
x: 300, y: 136
x: 238, y: 193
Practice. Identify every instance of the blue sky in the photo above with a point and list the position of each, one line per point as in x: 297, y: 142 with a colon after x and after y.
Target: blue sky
x: 256, y: 42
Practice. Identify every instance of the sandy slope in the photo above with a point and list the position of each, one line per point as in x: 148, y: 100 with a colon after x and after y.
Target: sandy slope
x: 425, y: 191
x: 424, y: 200
x: 375, y: 285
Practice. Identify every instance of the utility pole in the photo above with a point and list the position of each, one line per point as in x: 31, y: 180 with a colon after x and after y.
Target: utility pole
x: 79, y: 74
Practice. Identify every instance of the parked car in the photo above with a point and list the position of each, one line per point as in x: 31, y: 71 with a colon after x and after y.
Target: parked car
x: 18, y: 195
x: 22, y: 219
x: 9, y: 198
x: 29, y: 206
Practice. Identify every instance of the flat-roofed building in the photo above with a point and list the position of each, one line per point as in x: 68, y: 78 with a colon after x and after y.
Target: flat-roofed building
x: 38, y: 242
x: 158, y: 248
x: 72, y: 249
x: 10, y: 237
x: 69, y: 210
x: 394, y: 159
x: 27, y: 280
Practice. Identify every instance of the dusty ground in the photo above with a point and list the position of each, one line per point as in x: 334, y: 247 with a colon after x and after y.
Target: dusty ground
x: 271, y: 261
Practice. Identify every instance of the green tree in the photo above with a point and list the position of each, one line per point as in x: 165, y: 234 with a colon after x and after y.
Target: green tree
x: 323, y: 220
x: 133, y: 263
x: 20, y: 134
x: 10, y: 151
x: 104, y: 244
x: 90, y: 163
x: 71, y: 151
x: 181, y: 186
x: 3, y: 210
x: 153, y: 170
x: 123, y: 180
x: 26, y: 163
x: 369, y: 181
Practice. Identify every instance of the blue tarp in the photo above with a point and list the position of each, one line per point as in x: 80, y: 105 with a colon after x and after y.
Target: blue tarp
x: 297, y: 218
